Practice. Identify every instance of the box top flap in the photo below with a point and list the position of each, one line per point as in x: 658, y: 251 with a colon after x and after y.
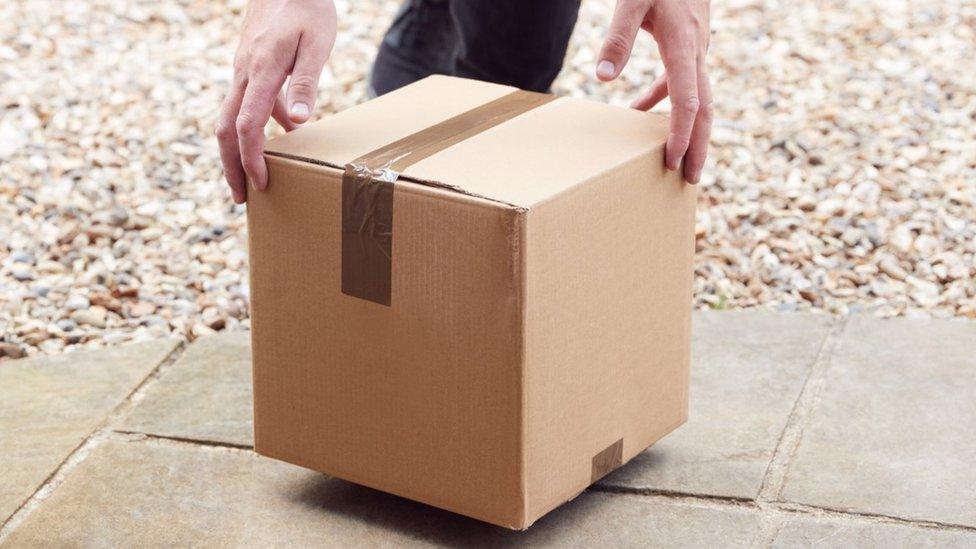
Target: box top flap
x: 521, y: 162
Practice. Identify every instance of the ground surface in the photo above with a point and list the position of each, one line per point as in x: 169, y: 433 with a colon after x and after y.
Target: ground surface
x: 843, y: 173
x: 805, y: 430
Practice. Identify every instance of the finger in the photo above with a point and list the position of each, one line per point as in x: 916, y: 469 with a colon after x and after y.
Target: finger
x: 280, y: 113
x: 658, y: 91
x: 304, y: 82
x: 256, y: 107
x: 627, y: 18
x: 683, y: 89
x: 230, y: 154
x: 698, y: 148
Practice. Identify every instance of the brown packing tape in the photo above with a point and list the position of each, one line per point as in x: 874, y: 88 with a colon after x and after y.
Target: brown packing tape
x: 368, y: 183
x: 607, y: 460
x: 367, y: 235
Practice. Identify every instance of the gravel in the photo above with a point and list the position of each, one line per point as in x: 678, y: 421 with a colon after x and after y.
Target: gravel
x: 842, y: 176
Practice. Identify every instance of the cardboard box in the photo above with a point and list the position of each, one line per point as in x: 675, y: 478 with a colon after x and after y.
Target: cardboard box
x: 499, y: 328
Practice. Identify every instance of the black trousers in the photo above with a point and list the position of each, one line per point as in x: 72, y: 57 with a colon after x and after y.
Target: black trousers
x: 521, y: 43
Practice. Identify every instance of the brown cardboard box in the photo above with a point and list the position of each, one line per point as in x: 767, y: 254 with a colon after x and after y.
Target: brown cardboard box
x: 529, y: 330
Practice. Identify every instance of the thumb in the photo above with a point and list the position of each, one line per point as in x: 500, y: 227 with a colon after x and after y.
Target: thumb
x: 627, y: 19
x: 304, y: 82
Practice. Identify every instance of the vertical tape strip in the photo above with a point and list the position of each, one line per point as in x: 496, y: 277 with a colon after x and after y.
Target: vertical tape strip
x: 607, y: 460
x: 368, y: 183
x: 367, y: 234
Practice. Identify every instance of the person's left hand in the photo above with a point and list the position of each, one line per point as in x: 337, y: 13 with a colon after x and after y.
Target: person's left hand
x: 680, y: 28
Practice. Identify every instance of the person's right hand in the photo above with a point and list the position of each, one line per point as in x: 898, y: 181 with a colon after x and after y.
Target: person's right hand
x: 280, y: 38
x: 681, y: 30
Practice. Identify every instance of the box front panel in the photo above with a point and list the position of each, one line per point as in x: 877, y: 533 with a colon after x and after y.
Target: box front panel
x: 420, y: 398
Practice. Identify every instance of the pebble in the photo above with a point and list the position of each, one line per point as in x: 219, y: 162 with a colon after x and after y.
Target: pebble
x: 22, y: 257
x: 141, y: 309
x: 890, y: 267
x: 106, y: 301
x: 76, y: 302
x: 67, y: 325
x: 94, y: 316
x: 47, y: 266
x: 214, y: 318
x: 21, y: 274
x: 11, y: 350
x: 822, y: 191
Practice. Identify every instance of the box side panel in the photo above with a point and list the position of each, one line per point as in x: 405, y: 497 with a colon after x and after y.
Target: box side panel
x: 421, y: 398
x: 608, y: 319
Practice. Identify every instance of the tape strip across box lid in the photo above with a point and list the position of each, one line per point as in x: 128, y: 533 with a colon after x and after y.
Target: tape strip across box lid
x: 368, y: 183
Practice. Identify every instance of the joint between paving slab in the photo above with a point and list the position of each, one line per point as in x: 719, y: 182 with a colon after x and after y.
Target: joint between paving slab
x: 774, y: 478
x: 51, y: 483
x: 773, y: 507
x: 674, y: 495
x: 806, y: 402
x: 776, y: 508
x: 137, y: 394
x: 873, y: 518
x: 182, y: 441
x: 84, y: 448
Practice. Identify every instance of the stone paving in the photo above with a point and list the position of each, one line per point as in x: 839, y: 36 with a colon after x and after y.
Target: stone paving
x: 805, y: 430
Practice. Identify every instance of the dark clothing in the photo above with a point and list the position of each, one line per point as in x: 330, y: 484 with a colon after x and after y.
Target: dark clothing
x: 521, y: 43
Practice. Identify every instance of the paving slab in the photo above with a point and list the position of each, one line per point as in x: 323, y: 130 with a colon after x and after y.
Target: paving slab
x: 205, y: 395
x: 894, y: 431
x: 49, y: 405
x: 748, y: 368
x: 843, y: 533
x: 136, y: 493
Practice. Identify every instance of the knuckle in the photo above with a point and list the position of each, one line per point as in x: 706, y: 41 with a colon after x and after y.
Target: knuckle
x: 690, y: 105
x: 706, y: 111
x: 302, y: 83
x: 263, y: 41
x: 241, y: 62
x: 683, y: 46
x: 246, y: 124
x: 617, y: 44
x: 261, y: 62
x: 224, y: 131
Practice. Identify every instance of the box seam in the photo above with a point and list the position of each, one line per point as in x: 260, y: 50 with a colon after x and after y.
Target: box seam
x: 401, y: 178
x: 254, y: 385
x: 521, y: 226
x: 602, y: 173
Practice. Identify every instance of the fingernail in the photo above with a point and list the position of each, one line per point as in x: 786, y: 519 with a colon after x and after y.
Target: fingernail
x: 299, y: 109
x: 605, y: 69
